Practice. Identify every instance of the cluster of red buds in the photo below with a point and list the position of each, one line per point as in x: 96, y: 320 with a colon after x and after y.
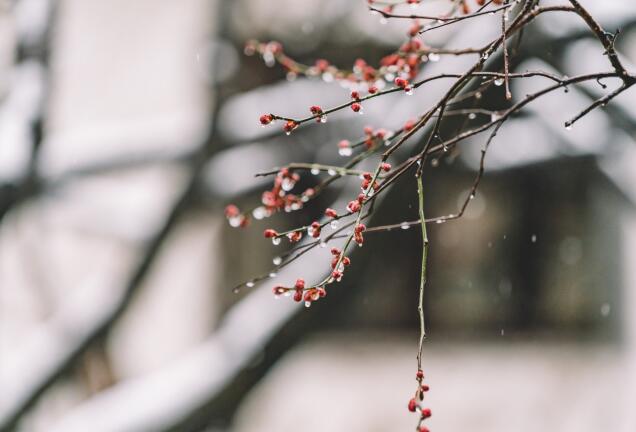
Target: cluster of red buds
x: 316, y: 111
x: 368, y: 182
x: 415, y: 405
x: 338, y: 264
x: 278, y: 198
x: 357, y: 234
x: 300, y: 292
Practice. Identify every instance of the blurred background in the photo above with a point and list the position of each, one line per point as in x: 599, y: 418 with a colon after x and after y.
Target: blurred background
x: 126, y: 127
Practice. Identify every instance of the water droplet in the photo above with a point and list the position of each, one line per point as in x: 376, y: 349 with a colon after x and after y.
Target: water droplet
x: 345, y: 151
x: 323, y: 244
x: 307, y: 304
x: 485, y: 56
x: 272, y: 274
x: 478, y: 95
x: 472, y: 116
x: 434, y: 57
x: 277, y: 260
x: 498, y: 81
x: 276, y: 241
x: 259, y: 213
x: 287, y: 184
x: 434, y: 162
x: 334, y: 224
x: 568, y: 127
x: 331, y: 172
x: 236, y: 290
x: 502, y: 332
x: 605, y: 309
x: 323, y: 119
x: 235, y: 221
x: 440, y: 221
x: 327, y: 77
x: 409, y: 91
x: 288, y: 133
x: 405, y: 225
x: 315, y: 171
x: 533, y: 239
x: 250, y: 284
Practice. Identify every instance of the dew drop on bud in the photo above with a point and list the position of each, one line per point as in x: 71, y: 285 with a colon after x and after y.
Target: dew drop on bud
x: 307, y: 304
x: 277, y: 260
x: 498, y: 82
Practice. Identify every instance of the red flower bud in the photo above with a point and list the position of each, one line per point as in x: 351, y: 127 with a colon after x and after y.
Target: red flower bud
x: 356, y: 107
x: 300, y: 284
x: 426, y: 413
x: 331, y: 213
x: 266, y: 119
x: 412, y: 405
x: 294, y: 236
x: 355, y: 95
x: 385, y: 167
x: 270, y: 233
x: 290, y: 126
x: 353, y: 206
x: 231, y: 211
x: 401, y: 82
